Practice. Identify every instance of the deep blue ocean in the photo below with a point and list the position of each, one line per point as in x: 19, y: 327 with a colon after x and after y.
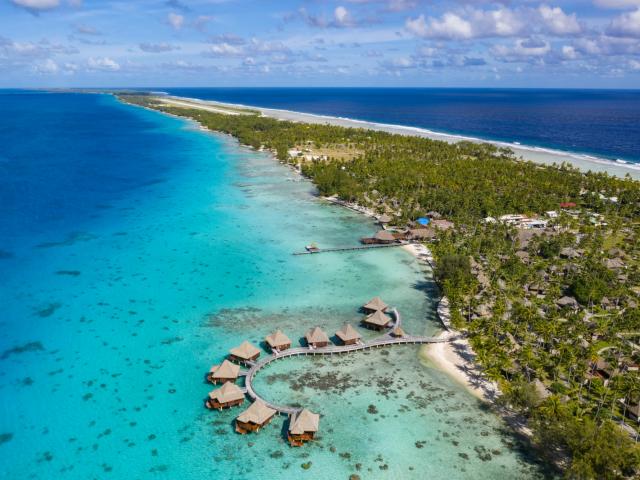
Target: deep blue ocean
x: 602, y: 123
x: 137, y: 249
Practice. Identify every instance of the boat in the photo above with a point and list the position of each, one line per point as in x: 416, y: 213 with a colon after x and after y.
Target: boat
x: 312, y: 248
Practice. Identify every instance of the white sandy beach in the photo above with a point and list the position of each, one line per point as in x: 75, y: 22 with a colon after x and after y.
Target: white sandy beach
x: 456, y: 357
x: 534, y: 154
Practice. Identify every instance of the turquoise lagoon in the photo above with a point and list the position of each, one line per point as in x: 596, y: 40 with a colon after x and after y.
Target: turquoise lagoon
x: 137, y: 249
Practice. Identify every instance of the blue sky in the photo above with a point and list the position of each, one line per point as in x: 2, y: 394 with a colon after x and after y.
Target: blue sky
x: 437, y: 43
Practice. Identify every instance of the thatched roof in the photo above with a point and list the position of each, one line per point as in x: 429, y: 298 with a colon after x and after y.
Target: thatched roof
x: 316, y: 335
x: 422, y: 233
x: 567, y: 302
x: 614, y: 263
x: 384, y: 236
x: 347, y: 333
x: 376, y: 303
x: 257, y: 413
x: 277, y: 339
x: 225, y: 370
x: 245, y: 351
x: 228, y: 392
x: 398, y: 332
x: 541, y: 390
x: 568, y: 252
x: 442, y: 224
x: 378, y: 318
x: 303, y: 422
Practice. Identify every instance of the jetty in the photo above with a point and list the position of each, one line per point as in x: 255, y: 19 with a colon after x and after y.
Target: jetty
x: 383, y: 341
x: 350, y: 248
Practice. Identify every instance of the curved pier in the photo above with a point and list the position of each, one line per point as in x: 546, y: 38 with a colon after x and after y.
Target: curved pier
x: 383, y: 341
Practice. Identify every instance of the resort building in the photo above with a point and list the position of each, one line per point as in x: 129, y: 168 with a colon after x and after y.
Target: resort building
x: 348, y: 335
x: 225, y: 372
x: 377, y: 321
x: 374, y: 305
x: 381, y: 237
x: 421, y: 234
x: 253, y: 418
x: 244, y: 353
x: 303, y: 426
x: 278, y: 341
x: 442, y: 224
x: 228, y: 395
x: 317, y: 338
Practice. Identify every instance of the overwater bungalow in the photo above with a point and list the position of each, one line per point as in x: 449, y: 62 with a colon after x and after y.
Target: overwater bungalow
x: 377, y: 321
x: 303, y: 426
x: 278, y: 341
x: 244, y: 353
x: 316, y: 338
x: 374, y: 305
x: 228, y: 395
x: 348, y: 335
x: 254, y: 418
x: 398, y: 332
x: 225, y: 372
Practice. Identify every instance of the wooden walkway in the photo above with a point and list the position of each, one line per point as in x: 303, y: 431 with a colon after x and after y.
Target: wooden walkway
x: 355, y: 247
x: 380, y: 342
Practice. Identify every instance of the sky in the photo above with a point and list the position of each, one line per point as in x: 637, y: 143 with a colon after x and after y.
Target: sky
x: 395, y: 43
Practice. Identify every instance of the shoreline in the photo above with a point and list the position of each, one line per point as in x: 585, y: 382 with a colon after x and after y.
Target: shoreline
x: 454, y: 358
x: 541, y: 155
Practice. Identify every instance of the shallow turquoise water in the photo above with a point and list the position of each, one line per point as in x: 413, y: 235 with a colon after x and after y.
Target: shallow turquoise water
x: 111, y: 317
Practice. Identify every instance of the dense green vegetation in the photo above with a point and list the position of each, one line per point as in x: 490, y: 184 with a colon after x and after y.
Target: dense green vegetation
x: 539, y: 310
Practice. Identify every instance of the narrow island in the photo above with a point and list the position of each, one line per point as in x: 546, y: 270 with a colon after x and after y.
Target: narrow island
x: 540, y: 266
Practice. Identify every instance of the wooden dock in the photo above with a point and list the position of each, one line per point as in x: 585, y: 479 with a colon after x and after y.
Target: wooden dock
x: 355, y: 247
x: 385, y: 340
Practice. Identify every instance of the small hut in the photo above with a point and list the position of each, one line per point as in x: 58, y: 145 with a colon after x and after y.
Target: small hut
x: 567, y: 302
x: 442, y: 224
x: 384, y: 218
x: 348, y: 335
x: 421, y: 234
x: 303, y: 426
x: 244, y: 353
x: 254, y: 418
x: 377, y: 321
x: 398, y: 332
x: 374, y: 305
x: 384, y: 236
x: 225, y: 372
x: 316, y: 338
x: 278, y: 341
x: 228, y: 395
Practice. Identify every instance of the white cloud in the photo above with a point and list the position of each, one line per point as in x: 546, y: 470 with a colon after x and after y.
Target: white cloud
x: 634, y: 65
x: 569, y: 52
x: 103, y: 63
x: 157, y: 47
x: 522, y: 50
x: 37, y: 5
x: 224, y: 50
x: 341, y: 16
x: 175, y: 20
x: 558, y: 22
x: 471, y: 23
x: 626, y: 25
x: 450, y: 26
x: 47, y: 67
x: 617, y: 3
